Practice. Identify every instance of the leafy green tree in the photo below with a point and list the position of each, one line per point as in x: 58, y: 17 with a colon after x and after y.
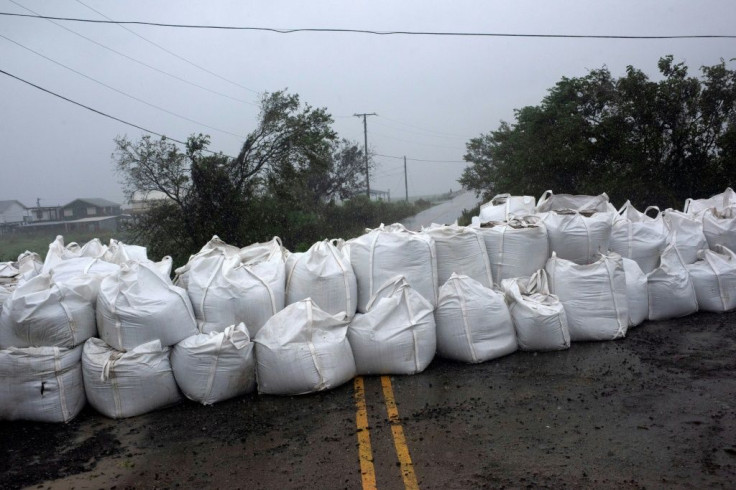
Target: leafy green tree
x: 654, y: 142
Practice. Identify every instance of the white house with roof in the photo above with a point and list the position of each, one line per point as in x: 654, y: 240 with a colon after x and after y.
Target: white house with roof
x: 12, y: 212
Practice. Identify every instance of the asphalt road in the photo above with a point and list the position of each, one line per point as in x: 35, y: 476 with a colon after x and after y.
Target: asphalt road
x: 446, y: 213
x: 656, y: 409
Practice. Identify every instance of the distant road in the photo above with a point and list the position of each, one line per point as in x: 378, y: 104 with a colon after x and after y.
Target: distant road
x: 445, y: 213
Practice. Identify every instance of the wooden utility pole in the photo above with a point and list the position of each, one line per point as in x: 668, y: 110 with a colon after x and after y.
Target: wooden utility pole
x: 406, y: 181
x: 365, y: 136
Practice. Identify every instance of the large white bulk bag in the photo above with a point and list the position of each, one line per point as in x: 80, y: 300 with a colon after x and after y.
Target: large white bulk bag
x: 126, y: 384
x: 217, y: 366
x: 303, y: 349
x: 41, y: 384
x: 323, y: 273
x: 719, y: 202
x: 228, y: 289
x: 42, y: 312
x: 516, y: 248
x: 212, y: 248
x: 686, y: 233
x: 460, y: 250
x: 5, y: 292
x: 386, y: 251
x: 576, y: 236
x: 8, y: 272
x: 29, y: 265
x: 538, y: 316
x: 636, y: 292
x: 594, y: 296
x: 473, y: 322
x: 714, y: 279
x: 397, y: 334
x: 140, y: 304
x: 671, y: 291
x: 119, y: 253
x: 636, y: 236
x: 59, y: 252
x: 560, y: 202
x: 504, y: 206
x: 719, y: 228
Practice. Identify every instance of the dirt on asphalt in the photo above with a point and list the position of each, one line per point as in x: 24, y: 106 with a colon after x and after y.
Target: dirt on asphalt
x: 656, y: 409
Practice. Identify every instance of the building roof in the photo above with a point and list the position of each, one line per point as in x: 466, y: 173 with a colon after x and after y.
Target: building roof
x: 5, y: 205
x: 94, y: 201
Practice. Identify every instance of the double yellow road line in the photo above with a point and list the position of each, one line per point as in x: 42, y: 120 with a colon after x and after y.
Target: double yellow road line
x: 365, y: 452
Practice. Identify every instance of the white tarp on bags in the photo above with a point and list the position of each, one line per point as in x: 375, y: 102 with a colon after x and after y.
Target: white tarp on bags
x: 560, y: 202
x: 226, y: 288
x: 720, y: 202
x: 473, y: 322
x: 686, y: 233
x: 41, y: 384
x: 636, y: 292
x: 671, y: 291
x: 214, y: 367
x: 714, y: 279
x: 578, y: 237
x: 594, y: 296
x: 460, y: 250
x: 303, y: 349
x: 719, y: 228
x: 397, y: 334
x: 126, y: 384
x: 384, y: 252
x: 41, y: 312
x: 516, y: 248
x: 323, y: 273
x: 538, y: 316
x: 139, y: 304
x: 639, y: 237
x: 503, y: 206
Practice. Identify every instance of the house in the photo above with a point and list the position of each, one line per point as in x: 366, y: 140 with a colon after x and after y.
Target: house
x: 89, y: 208
x: 12, y: 213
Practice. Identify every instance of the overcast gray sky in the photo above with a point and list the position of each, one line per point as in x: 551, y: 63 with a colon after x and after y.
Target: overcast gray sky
x: 431, y: 94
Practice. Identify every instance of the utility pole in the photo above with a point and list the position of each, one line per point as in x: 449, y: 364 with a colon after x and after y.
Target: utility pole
x: 406, y: 182
x: 365, y: 136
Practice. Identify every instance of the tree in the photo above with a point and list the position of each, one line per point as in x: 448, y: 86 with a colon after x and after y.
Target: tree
x: 654, y: 142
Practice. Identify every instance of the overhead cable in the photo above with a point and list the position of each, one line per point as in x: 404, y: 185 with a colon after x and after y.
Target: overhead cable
x: 420, y: 159
x: 373, y: 32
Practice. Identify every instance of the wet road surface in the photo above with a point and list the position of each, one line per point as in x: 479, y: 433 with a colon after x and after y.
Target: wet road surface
x: 657, y: 409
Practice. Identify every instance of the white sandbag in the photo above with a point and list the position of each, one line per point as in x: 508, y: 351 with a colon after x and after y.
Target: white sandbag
x: 226, y: 289
x: 460, y: 250
x: 323, y: 273
x: 719, y: 228
x: 140, y: 304
x: 93, y: 249
x: 473, y: 322
x: 516, y: 248
x: 505, y: 206
x: 538, y: 316
x: 397, y: 334
x: 686, y: 233
x: 594, y: 296
x: 58, y: 252
x: 637, y: 236
x: 215, y: 244
x: 41, y: 384
x: 119, y: 253
x: 86, y: 269
x: 671, y: 291
x: 303, y: 349
x: 217, y: 366
x: 560, y: 202
x: 714, y: 279
x: 384, y: 252
x: 636, y: 292
x: 576, y: 236
x: 719, y: 202
x: 126, y: 384
x: 29, y: 265
x: 8, y: 272
x: 5, y: 292
x: 41, y: 312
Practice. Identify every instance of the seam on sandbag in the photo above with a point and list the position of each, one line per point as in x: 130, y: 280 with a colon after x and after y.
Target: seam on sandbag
x: 344, y: 280
x: 213, y: 370
x: 370, y: 262
x: 718, y: 279
x: 587, y: 236
x: 621, y: 332
x: 312, y: 349
x: 206, y: 289
x: 503, y: 243
x: 70, y: 319
x: 465, y: 320
x: 271, y: 296
x: 435, y: 272
x: 486, y: 260
x: 291, y: 271
x: 60, y: 384
x: 405, y: 295
x: 114, y: 312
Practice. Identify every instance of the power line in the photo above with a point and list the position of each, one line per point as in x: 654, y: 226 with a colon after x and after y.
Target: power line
x: 420, y: 159
x: 452, y: 135
x: 51, y: 19
x: 373, y: 32
x: 96, y: 111
x: 240, y: 137
x: 171, y: 52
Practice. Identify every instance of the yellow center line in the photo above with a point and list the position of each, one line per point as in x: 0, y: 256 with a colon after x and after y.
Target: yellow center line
x: 365, y: 453
x: 402, y: 450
